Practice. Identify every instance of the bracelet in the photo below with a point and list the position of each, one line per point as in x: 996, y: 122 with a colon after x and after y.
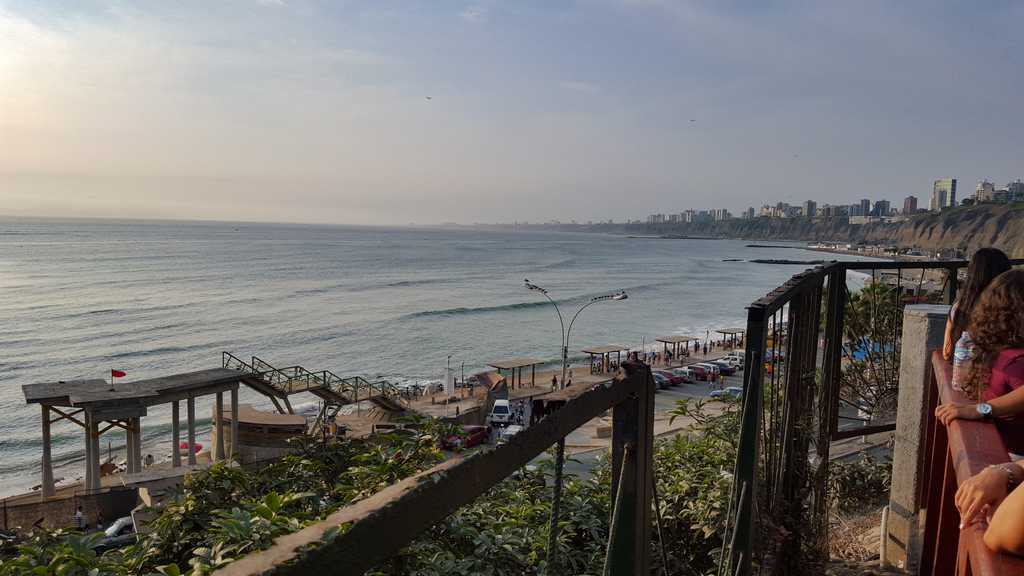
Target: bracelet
x: 1013, y: 474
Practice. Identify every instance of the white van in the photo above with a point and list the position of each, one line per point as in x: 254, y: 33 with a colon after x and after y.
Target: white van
x: 501, y: 412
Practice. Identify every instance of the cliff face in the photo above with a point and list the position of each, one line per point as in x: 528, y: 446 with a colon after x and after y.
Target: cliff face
x: 968, y: 228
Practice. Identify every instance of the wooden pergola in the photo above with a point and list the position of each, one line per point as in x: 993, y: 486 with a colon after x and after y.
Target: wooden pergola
x: 97, y: 406
x: 732, y: 334
x: 605, y: 353
x: 517, y: 364
x: 675, y: 341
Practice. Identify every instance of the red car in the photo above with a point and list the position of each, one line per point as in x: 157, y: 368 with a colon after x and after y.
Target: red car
x: 673, y: 379
x: 468, y: 437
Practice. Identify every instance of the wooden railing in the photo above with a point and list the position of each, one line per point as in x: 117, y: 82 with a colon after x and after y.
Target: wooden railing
x: 379, y: 526
x: 955, y: 453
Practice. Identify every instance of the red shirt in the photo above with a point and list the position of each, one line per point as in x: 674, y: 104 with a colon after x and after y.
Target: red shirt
x: 1007, y: 376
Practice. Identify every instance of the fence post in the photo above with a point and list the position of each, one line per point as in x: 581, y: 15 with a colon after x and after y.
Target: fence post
x: 633, y: 426
x: 923, y: 331
x: 951, y: 287
x: 742, y: 542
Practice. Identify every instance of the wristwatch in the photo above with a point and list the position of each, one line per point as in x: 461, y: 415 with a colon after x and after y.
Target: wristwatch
x: 984, y: 408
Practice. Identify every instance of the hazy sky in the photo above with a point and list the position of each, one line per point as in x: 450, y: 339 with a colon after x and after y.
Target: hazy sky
x: 295, y: 110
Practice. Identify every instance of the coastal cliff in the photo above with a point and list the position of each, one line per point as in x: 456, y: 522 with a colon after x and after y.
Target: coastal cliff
x: 966, y: 228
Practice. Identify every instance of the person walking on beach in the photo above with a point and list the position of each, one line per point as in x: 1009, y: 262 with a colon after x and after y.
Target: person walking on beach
x: 554, y: 381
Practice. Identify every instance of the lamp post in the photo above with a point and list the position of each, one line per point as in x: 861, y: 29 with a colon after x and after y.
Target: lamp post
x: 556, y: 497
x: 567, y: 332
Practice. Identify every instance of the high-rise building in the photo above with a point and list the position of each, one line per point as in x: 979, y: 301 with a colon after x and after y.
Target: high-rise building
x: 865, y: 207
x: 984, y: 191
x: 750, y: 213
x: 943, y: 194
x: 856, y: 210
x: 810, y: 209
x: 656, y: 219
x: 909, y: 205
x: 881, y: 209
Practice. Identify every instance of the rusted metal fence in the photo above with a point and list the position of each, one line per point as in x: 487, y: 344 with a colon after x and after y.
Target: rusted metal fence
x: 953, y: 454
x: 358, y: 537
x: 799, y: 342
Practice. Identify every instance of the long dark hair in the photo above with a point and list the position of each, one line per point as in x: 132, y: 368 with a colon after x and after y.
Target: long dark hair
x: 997, y: 323
x: 986, y: 264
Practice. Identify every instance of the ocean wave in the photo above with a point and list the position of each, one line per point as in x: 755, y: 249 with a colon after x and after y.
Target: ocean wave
x: 467, y: 311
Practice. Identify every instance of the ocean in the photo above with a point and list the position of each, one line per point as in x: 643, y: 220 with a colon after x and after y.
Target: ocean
x: 151, y: 298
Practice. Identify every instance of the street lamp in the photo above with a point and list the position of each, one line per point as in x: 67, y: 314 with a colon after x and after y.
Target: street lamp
x: 556, y: 497
x: 567, y: 332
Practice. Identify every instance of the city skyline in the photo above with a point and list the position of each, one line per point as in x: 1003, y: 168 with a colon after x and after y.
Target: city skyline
x: 390, y: 113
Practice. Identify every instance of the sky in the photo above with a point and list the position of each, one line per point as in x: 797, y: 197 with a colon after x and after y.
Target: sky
x: 383, y: 112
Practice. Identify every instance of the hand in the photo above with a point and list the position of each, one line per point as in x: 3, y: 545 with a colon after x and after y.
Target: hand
x: 948, y: 412
x: 980, y: 492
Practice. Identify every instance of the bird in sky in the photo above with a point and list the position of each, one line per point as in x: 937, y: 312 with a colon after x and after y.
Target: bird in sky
x: 430, y: 97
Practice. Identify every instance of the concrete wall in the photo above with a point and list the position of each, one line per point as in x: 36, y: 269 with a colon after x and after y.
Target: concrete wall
x: 923, y: 331
x: 59, y: 512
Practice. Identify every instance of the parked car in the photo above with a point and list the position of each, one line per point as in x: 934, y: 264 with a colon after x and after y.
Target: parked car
x: 732, y: 392
x: 673, y: 379
x: 685, y: 373
x: 501, y: 413
x: 713, y: 369
x: 661, y: 381
x: 724, y: 367
x: 508, y: 432
x: 699, y: 372
x: 467, y: 437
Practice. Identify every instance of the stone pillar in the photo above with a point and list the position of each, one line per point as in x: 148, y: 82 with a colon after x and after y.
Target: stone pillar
x: 234, y: 421
x: 191, y: 430
x: 47, y: 481
x: 923, y: 330
x: 176, y: 435
x: 218, y: 416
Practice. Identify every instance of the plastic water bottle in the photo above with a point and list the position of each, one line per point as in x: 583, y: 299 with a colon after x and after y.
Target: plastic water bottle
x: 963, y: 353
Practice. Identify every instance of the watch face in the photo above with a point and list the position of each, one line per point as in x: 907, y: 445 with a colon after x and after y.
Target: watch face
x: 984, y: 408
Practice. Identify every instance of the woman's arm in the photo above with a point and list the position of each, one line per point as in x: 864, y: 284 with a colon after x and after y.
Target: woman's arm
x: 1006, y: 405
x: 1005, y: 532
x: 947, y: 343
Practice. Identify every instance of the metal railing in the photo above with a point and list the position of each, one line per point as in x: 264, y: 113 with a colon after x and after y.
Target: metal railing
x: 953, y: 454
x: 822, y: 364
x: 324, y: 383
x: 378, y: 527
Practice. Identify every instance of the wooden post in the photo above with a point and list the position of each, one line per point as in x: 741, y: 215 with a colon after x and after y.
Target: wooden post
x: 218, y: 415
x: 633, y: 426
x: 94, y: 442
x: 130, y: 439
x: 176, y: 435
x: 191, y: 430
x: 234, y: 421
x: 88, y: 450
x: 137, y: 428
x: 47, y: 488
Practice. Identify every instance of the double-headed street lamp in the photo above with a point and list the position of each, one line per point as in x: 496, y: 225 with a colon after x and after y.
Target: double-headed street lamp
x: 566, y: 332
x: 556, y: 497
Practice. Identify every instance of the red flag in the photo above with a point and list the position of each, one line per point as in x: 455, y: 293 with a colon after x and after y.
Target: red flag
x: 117, y: 374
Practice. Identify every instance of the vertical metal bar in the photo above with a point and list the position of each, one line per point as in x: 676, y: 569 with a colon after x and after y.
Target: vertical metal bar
x: 832, y: 365
x: 745, y: 473
x: 951, y: 280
